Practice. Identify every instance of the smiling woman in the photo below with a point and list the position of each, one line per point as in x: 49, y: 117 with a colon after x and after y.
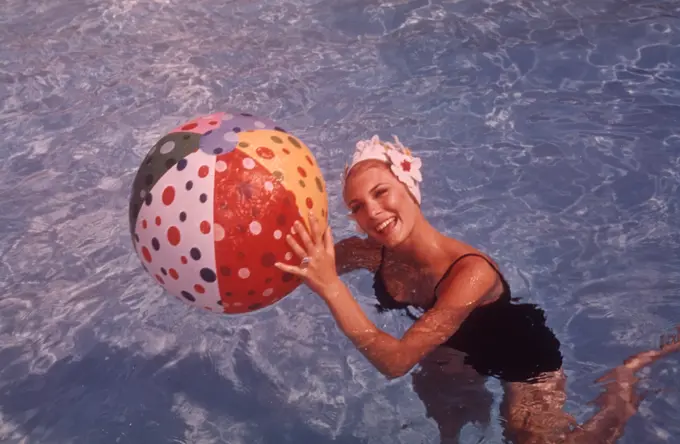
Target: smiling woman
x: 469, y: 329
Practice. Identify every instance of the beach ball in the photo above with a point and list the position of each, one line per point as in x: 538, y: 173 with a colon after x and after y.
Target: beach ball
x: 212, y: 203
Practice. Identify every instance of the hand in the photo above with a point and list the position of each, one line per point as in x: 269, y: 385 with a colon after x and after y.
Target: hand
x: 317, y: 256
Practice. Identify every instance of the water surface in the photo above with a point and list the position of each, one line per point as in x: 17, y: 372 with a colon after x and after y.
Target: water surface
x: 549, y: 134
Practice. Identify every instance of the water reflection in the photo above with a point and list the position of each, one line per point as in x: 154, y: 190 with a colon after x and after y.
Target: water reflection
x: 115, y: 394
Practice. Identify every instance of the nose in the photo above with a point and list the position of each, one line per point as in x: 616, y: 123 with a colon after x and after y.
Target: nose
x: 373, y: 208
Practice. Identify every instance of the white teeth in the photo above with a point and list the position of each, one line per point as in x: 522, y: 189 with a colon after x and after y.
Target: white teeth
x: 383, y: 225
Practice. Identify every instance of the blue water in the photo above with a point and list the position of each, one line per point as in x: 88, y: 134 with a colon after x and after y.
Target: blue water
x: 550, y: 135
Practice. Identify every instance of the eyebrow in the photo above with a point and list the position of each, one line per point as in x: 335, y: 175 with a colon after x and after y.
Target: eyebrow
x: 370, y: 191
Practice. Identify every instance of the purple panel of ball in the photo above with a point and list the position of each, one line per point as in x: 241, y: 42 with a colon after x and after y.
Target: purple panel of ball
x: 224, y: 138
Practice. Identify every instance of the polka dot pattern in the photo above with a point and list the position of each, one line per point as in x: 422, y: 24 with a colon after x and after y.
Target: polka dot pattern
x: 265, y: 152
x: 292, y: 165
x: 144, y: 187
x: 205, y: 227
x: 168, y: 195
x: 255, y: 228
x: 211, y: 206
x: 201, y: 125
x: 226, y: 136
x: 249, y: 244
x: 180, y: 232
x: 219, y: 232
x: 167, y: 147
x: 174, y: 236
x: 248, y: 163
x: 146, y: 254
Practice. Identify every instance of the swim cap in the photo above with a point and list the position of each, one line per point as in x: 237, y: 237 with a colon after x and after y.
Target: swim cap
x: 402, y: 163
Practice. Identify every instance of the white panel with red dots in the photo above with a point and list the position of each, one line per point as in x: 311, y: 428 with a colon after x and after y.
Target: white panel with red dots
x: 175, y: 236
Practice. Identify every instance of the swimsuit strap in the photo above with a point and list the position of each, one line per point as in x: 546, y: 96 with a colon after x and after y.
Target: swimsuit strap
x: 448, y: 270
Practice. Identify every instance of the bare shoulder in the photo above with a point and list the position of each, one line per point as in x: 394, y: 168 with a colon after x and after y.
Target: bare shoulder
x: 358, y: 243
x: 471, y: 278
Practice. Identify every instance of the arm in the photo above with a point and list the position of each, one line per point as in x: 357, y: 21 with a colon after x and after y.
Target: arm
x: 395, y: 357
x: 460, y: 293
x: 354, y: 253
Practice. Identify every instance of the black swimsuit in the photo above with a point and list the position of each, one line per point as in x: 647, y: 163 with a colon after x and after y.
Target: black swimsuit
x: 504, y: 339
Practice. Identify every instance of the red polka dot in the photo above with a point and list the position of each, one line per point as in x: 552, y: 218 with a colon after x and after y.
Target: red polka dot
x: 203, y: 171
x: 173, y: 235
x: 160, y: 279
x: 199, y: 289
x: 285, y: 150
x: 309, y: 203
x: 158, y: 221
x: 168, y: 195
x: 146, y: 254
x: 309, y: 159
x: 144, y: 224
x: 173, y: 273
x: 189, y: 126
x: 184, y: 260
x: 205, y: 227
x: 213, y: 122
x: 208, y: 308
x: 265, y: 152
x: 302, y: 172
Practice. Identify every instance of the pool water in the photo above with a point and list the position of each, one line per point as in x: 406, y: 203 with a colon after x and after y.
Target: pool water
x: 550, y: 136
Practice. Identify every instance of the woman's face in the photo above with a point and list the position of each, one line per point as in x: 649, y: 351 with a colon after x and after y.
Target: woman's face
x: 380, y: 203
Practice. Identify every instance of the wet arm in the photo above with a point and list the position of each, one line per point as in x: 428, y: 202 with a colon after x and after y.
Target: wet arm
x: 395, y: 357
x: 354, y: 253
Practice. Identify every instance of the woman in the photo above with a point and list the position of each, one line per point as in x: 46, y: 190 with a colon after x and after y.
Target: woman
x: 468, y: 329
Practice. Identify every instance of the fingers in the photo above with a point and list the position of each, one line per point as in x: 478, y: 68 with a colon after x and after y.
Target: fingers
x: 317, y: 233
x: 301, y: 231
x: 310, y: 244
x: 292, y: 269
x: 297, y: 249
x: 328, y: 241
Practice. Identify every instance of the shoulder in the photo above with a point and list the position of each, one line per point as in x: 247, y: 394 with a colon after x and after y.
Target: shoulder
x: 470, y: 279
x: 357, y: 244
x: 355, y: 252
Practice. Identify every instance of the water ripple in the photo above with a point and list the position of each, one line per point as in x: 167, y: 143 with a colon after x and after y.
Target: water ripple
x: 549, y: 136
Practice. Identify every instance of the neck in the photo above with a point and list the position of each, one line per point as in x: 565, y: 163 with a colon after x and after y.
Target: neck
x: 424, y: 246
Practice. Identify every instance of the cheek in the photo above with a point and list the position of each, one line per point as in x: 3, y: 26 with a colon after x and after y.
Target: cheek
x: 399, y: 200
x: 404, y: 205
x: 360, y: 219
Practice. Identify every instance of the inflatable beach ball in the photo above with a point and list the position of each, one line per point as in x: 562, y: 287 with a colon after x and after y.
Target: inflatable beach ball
x: 211, y: 206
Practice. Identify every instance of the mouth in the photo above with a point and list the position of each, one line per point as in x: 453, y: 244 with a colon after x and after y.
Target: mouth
x: 384, y: 225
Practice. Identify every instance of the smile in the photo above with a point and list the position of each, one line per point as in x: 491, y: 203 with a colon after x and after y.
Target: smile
x: 384, y: 225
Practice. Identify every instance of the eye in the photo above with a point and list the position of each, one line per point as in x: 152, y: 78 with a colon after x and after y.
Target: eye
x: 355, y: 208
x: 380, y: 191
